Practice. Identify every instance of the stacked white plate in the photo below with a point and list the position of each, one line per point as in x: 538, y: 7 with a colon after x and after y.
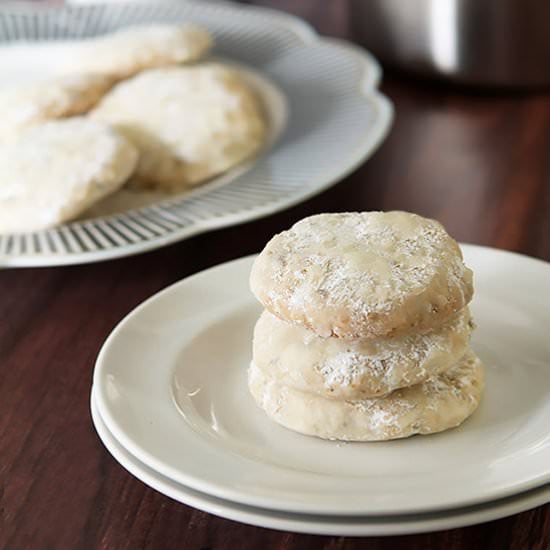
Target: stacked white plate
x: 170, y: 403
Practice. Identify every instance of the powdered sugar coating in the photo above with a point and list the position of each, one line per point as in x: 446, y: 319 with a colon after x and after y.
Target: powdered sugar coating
x: 133, y: 49
x: 189, y: 123
x: 52, y: 172
x: 355, y: 369
x: 25, y: 105
x: 363, y: 274
x: 437, y: 404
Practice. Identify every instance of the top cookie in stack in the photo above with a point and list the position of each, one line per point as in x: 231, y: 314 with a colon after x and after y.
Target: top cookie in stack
x: 365, y: 312
x: 363, y: 274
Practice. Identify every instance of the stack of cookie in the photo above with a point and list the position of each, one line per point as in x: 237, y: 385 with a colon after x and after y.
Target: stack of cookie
x: 365, y: 334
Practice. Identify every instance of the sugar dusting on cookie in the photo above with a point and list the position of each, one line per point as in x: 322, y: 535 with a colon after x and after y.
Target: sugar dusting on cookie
x: 384, y: 357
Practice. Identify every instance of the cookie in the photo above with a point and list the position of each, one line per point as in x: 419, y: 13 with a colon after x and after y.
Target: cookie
x: 363, y: 274
x: 57, y: 97
x: 440, y: 403
x: 355, y: 369
x: 189, y: 123
x: 133, y: 49
x: 52, y: 172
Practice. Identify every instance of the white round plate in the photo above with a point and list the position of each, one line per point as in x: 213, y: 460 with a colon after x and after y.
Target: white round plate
x: 171, y: 387
x: 317, y: 525
x: 336, y: 119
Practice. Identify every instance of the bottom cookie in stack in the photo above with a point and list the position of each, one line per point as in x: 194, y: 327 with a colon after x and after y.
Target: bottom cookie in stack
x: 443, y: 401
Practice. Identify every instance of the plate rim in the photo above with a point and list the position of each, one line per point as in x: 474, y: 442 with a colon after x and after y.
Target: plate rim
x: 214, y: 489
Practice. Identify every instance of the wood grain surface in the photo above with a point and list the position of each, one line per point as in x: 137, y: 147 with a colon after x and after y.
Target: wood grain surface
x: 478, y: 162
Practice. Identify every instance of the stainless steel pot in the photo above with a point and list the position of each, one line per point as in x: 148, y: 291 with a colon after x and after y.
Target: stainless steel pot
x: 483, y: 42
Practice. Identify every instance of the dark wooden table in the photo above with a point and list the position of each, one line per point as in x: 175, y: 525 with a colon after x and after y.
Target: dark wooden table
x: 480, y: 163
